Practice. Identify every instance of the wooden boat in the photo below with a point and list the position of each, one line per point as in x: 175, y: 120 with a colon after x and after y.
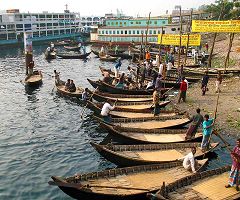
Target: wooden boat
x: 72, y: 48
x: 119, y: 112
x: 108, y: 58
x: 159, y: 136
x: 50, y: 55
x: 61, y: 43
x: 73, y: 55
x: 34, y: 80
x: 104, y: 87
x: 149, y: 123
x: 100, y: 96
x: 61, y: 90
x: 129, y: 183
x: 204, y: 185
x: 144, y: 154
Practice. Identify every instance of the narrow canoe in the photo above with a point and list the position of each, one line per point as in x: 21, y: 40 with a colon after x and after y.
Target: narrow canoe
x: 34, y: 80
x: 100, y: 96
x: 149, y: 123
x: 108, y: 58
x: 75, y: 48
x: 159, y: 136
x: 129, y: 183
x: 73, y: 55
x: 119, y: 112
x: 132, y: 155
x: 61, y: 90
x: 104, y: 87
x: 204, y: 185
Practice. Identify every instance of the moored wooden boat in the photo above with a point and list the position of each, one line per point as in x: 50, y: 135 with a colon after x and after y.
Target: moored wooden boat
x: 129, y: 183
x: 149, y: 123
x: 120, y: 112
x: 34, y: 80
x: 108, y: 58
x: 50, y: 54
x: 73, y: 55
x: 61, y: 90
x: 72, y: 48
x: 159, y: 136
x: 144, y: 154
x: 100, y: 96
x: 209, y: 185
x: 104, y: 87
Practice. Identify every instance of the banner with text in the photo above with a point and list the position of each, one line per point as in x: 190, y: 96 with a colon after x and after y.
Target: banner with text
x: 174, y: 39
x: 227, y: 26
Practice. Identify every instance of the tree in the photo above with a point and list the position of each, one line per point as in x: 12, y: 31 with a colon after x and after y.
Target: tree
x: 231, y: 9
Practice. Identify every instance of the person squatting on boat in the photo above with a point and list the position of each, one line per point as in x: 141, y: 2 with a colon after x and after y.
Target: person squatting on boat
x: 189, y: 162
x: 106, y: 111
x: 207, y: 127
x: 197, y: 120
x: 234, y: 176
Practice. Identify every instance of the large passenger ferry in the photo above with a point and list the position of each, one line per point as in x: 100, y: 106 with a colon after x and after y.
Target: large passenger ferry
x: 44, y: 26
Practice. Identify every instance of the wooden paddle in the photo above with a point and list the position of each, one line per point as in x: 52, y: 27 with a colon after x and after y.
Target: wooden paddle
x: 84, y: 108
x: 79, y: 186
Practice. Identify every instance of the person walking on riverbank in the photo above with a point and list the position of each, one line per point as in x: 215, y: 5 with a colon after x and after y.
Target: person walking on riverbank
x: 234, y: 174
x: 197, y: 120
x: 183, y: 91
x: 204, y: 83
x: 207, y: 127
x: 218, y: 82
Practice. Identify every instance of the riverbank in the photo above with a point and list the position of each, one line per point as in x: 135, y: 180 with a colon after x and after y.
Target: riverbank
x: 228, y: 110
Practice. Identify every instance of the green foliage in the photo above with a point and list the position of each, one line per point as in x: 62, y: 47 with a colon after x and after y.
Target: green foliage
x: 228, y: 11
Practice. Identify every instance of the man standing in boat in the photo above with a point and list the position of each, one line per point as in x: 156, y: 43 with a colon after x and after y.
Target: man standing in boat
x: 234, y: 174
x: 207, y: 127
x: 197, y: 120
x: 30, y: 67
x: 106, y: 111
x: 156, y: 100
x: 183, y: 91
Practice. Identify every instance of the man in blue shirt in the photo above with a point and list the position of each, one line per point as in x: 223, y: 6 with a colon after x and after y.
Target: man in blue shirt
x: 207, y: 127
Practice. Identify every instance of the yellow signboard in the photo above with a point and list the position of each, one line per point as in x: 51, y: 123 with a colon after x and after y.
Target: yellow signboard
x: 174, y: 39
x: 227, y: 26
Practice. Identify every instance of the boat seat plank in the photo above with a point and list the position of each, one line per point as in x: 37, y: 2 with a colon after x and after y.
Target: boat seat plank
x: 141, y: 106
x: 138, y: 115
x: 164, y: 137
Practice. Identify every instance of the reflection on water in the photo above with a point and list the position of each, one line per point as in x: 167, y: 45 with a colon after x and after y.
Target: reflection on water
x: 42, y: 133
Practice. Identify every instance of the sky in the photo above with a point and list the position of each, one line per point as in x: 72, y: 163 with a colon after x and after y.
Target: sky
x: 100, y: 7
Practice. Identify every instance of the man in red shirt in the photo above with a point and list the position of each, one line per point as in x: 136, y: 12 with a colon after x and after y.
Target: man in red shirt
x: 183, y: 91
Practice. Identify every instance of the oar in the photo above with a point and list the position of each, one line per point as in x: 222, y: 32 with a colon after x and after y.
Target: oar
x: 168, y: 90
x: 79, y: 186
x: 84, y: 108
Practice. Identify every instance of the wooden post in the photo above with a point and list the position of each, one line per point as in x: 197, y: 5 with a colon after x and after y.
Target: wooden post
x: 214, y: 38
x: 159, y: 49
x: 142, y: 51
x: 226, y: 63
x: 180, y: 39
x: 147, y: 28
x: 188, y: 35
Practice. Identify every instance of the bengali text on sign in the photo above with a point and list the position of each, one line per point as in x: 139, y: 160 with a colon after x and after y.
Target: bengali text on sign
x: 174, y: 39
x: 227, y: 26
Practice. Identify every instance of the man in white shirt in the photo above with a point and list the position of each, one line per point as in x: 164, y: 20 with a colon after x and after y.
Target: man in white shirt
x: 106, y: 111
x: 160, y: 68
x: 169, y: 67
x: 189, y: 161
x: 185, y: 80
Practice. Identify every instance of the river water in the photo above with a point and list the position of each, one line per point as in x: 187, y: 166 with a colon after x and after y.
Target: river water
x: 42, y: 134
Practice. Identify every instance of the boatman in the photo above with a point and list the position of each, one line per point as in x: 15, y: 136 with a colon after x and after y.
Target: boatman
x: 30, y: 67
x: 207, y: 127
x: 85, y: 95
x: 197, y: 120
x: 57, y: 77
x: 106, y: 111
x: 189, y: 163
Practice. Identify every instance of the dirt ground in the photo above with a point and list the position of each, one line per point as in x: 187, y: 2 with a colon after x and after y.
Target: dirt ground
x: 228, y: 111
